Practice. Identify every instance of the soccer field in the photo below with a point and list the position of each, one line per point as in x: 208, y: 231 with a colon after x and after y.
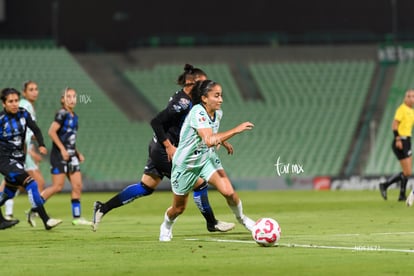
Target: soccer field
x: 323, y: 233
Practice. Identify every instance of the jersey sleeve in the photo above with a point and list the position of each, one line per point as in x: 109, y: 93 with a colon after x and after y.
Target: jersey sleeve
x: 199, y: 118
x: 60, y: 116
x: 176, y: 107
x: 399, y: 114
x: 157, y: 124
x: 36, y: 130
x: 28, y: 106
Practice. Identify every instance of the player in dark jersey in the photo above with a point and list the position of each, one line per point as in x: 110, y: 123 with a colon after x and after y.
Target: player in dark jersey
x: 65, y: 158
x: 166, y: 125
x: 14, y: 121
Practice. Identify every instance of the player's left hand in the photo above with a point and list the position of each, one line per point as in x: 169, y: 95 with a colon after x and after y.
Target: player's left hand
x: 229, y: 147
x: 81, y: 157
x: 43, y: 150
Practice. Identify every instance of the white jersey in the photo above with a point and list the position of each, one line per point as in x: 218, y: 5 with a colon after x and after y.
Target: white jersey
x: 29, y: 107
x: 192, y: 151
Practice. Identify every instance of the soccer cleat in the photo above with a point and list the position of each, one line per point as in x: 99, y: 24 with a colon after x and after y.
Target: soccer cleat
x: 165, y: 232
x: 221, y: 226
x: 97, y: 215
x: 51, y: 223
x: 247, y: 222
x: 8, y: 217
x: 4, y: 224
x: 31, y: 217
x: 383, y: 190
x: 410, y: 199
x: 81, y: 221
x: 402, y: 198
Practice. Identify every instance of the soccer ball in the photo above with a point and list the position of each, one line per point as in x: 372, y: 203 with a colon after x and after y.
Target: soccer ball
x: 266, y: 232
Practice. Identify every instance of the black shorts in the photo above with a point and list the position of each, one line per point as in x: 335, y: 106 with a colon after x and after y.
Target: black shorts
x: 405, y: 151
x: 157, y: 163
x: 13, y: 171
x: 58, y: 165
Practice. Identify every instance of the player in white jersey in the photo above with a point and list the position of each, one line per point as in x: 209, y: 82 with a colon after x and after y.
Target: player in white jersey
x: 196, y: 155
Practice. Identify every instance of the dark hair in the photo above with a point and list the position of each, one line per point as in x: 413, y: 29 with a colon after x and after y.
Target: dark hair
x: 26, y: 84
x: 7, y: 91
x: 189, y: 74
x: 201, y: 88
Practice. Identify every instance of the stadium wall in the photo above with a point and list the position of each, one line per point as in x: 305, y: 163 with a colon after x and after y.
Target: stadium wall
x: 119, y: 25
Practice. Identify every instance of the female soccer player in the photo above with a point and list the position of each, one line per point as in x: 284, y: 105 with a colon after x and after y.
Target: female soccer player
x: 30, y: 94
x: 196, y: 156
x: 166, y: 126
x: 401, y: 145
x: 14, y: 121
x: 65, y: 158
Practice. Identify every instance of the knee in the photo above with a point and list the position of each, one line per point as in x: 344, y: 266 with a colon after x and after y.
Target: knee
x: 175, y: 211
x: 228, y: 193
x: 57, y: 187
x: 179, y: 210
x: 407, y: 172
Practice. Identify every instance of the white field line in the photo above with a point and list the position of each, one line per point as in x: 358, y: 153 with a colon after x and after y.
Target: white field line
x: 354, y: 234
x: 292, y: 245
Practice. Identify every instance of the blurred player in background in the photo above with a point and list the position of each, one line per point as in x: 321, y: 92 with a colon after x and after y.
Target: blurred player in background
x: 14, y: 121
x: 166, y: 125
x: 65, y: 158
x: 401, y: 146
x: 30, y: 95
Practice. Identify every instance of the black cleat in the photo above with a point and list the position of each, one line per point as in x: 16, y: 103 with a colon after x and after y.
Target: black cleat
x: 383, y: 190
x: 8, y: 223
x: 402, y: 198
x: 221, y: 226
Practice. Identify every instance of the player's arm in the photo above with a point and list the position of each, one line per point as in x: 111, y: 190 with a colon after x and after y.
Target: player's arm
x: 37, y: 133
x: 53, y: 130
x: 157, y: 124
x: 32, y: 152
x: 395, y: 124
x: 228, y: 146
x: 213, y: 139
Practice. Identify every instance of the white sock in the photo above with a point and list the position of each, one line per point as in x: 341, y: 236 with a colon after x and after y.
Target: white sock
x: 238, y: 210
x: 167, y: 220
x: 9, y: 207
x: 242, y: 218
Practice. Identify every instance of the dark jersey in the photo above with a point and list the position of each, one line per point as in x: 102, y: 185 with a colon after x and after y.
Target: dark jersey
x: 13, y: 132
x: 167, y: 124
x: 67, y: 131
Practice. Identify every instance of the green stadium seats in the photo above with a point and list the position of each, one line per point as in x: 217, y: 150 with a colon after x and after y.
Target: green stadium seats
x: 381, y: 159
x: 308, y: 114
x: 314, y: 109
x: 115, y: 149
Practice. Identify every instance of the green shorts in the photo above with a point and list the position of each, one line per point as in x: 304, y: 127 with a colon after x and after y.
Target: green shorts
x: 183, y: 178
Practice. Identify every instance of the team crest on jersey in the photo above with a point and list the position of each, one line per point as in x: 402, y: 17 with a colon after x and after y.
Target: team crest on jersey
x: 182, y: 104
x: 202, y: 116
x: 23, y: 121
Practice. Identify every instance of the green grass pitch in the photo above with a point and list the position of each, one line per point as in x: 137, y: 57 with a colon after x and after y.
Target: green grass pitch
x: 323, y: 233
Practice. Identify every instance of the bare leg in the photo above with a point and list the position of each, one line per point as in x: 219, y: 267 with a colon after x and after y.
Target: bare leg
x: 170, y: 216
x: 220, y: 180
